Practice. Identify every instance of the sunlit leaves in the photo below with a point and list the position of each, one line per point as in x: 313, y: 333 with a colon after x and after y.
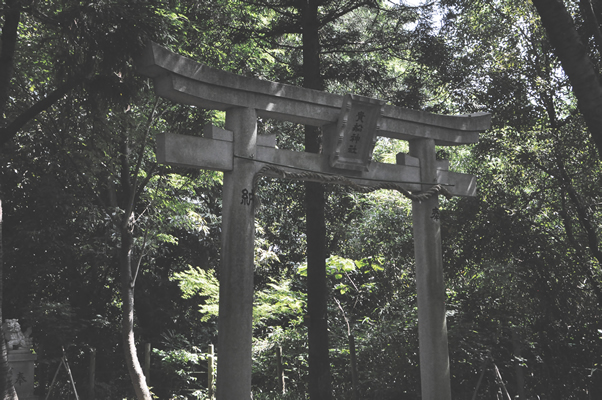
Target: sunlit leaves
x: 196, y: 281
x: 277, y: 301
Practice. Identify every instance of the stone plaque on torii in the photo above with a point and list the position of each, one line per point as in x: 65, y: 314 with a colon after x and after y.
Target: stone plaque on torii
x: 350, y: 125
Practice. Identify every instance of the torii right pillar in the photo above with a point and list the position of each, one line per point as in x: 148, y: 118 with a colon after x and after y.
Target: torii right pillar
x: 432, y: 327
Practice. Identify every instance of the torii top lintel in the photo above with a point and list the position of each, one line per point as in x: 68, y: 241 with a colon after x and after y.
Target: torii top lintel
x: 185, y: 81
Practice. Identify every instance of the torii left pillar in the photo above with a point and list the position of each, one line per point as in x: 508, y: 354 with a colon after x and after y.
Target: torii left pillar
x: 235, y: 320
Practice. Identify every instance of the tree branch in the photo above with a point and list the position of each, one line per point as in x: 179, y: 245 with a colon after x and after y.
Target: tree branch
x: 13, y: 128
x: 149, y: 123
x: 336, y: 15
x: 586, y: 224
x: 140, y: 258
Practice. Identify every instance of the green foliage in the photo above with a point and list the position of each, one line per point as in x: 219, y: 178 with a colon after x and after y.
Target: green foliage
x: 293, y: 341
x: 185, y: 365
x: 196, y: 281
x: 276, y: 302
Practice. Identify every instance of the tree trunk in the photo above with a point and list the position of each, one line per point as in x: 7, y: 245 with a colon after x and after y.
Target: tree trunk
x: 128, y: 279
x: 7, y: 390
x: 12, y: 16
x: 127, y: 325
x: 92, y: 376
x: 319, y: 364
x: 280, y: 370
x: 577, y: 65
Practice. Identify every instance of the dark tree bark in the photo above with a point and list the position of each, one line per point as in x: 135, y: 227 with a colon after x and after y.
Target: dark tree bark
x: 7, y: 390
x: 319, y: 363
x: 11, y: 129
x: 577, y: 65
x: 8, y: 42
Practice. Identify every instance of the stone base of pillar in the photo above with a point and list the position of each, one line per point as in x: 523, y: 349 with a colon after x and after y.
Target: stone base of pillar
x: 21, y: 364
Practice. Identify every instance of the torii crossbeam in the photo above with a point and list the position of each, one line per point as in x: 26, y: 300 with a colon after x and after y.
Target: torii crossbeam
x: 350, y: 125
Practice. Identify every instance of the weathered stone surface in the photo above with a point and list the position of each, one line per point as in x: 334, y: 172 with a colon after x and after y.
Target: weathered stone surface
x: 215, y: 154
x: 194, y: 151
x: 235, y: 318
x: 354, y: 136
x: 430, y: 287
x: 186, y: 81
x: 15, y: 338
x: 21, y: 364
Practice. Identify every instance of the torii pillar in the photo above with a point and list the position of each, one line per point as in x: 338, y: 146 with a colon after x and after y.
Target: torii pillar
x: 430, y: 287
x: 350, y: 125
x: 235, y: 318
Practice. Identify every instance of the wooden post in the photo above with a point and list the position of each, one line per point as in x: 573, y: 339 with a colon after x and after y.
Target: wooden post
x: 147, y: 362
x: 280, y: 370
x: 354, y: 376
x: 498, y: 375
x: 432, y: 327
x: 92, y: 375
x: 66, y: 364
x: 235, y: 319
x: 211, y: 373
x: 518, y: 369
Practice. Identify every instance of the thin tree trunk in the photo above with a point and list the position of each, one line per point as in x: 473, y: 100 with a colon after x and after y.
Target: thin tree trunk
x: 577, y: 65
x: 92, y: 376
x: 280, y: 370
x: 501, y: 381
x: 211, y: 373
x: 484, y: 366
x: 128, y: 277
x: 7, y: 390
x: 319, y: 364
x: 127, y: 326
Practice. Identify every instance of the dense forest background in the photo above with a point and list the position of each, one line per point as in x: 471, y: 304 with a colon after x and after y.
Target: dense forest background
x: 83, y: 199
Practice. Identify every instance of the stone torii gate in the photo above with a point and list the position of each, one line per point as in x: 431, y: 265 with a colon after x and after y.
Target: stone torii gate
x: 350, y: 125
